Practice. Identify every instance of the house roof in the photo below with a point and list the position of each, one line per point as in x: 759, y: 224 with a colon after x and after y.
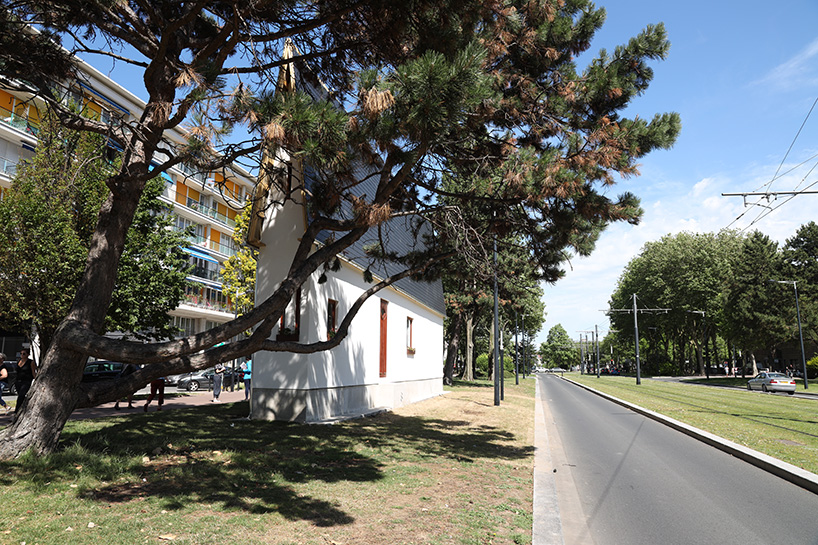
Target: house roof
x: 400, y: 234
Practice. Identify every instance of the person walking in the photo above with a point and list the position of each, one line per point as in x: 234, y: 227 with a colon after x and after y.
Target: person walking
x: 218, y: 377
x: 157, y: 387
x: 127, y: 369
x: 247, y: 367
x: 26, y: 371
x: 4, y: 379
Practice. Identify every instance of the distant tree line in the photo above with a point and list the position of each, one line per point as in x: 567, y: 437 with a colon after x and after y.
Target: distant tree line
x: 706, y: 299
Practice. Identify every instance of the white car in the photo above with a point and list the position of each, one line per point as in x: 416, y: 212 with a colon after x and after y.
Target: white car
x: 772, y: 382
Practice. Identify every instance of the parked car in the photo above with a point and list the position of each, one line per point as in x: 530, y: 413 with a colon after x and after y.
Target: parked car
x: 11, y: 367
x: 772, y: 382
x: 173, y: 380
x: 96, y: 371
x: 201, y: 380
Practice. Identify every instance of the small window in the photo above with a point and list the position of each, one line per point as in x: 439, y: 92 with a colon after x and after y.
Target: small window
x: 285, y: 331
x: 332, y: 317
x: 410, y: 347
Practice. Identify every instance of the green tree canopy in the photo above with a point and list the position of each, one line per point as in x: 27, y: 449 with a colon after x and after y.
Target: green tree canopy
x: 453, y: 86
x: 559, y: 350
x: 46, y: 223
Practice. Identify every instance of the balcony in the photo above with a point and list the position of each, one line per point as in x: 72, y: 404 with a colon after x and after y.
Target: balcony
x: 19, y: 122
x: 8, y: 167
x: 210, y: 212
x: 200, y: 301
x: 208, y: 274
x: 221, y: 248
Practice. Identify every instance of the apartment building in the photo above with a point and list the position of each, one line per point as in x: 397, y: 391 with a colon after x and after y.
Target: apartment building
x: 208, y: 204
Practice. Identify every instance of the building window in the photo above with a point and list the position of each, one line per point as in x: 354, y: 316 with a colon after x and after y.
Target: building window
x: 285, y: 331
x: 197, y: 230
x: 186, y: 325
x: 410, y: 347
x: 332, y: 317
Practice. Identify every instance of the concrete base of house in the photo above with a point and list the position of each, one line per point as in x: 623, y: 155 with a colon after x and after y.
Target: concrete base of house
x: 323, y: 404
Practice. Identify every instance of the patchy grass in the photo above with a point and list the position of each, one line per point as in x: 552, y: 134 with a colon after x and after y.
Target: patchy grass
x: 776, y: 424
x: 450, y: 470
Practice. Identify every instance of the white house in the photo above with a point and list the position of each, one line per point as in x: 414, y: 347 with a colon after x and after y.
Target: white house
x: 393, y: 354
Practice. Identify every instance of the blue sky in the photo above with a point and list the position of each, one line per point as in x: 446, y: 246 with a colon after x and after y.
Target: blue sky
x: 743, y: 76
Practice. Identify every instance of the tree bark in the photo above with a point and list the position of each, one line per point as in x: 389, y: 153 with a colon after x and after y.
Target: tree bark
x: 468, y: 368
x: 454, y: 348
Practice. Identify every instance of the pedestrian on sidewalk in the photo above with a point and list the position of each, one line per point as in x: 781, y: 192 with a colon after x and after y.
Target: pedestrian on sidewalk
x: 26, y: 371
x: 247, y: 367
x: 4, y: 379
x: 157, y: 387
x: 218, y: 377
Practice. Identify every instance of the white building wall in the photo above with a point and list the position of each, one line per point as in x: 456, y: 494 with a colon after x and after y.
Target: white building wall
x: 345, y: 380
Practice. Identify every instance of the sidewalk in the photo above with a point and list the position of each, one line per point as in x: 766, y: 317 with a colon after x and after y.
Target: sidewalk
x: 174, y: 399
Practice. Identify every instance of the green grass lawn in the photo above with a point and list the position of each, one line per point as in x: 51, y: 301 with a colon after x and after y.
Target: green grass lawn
x: 449, y: 470
x: 776, y: 424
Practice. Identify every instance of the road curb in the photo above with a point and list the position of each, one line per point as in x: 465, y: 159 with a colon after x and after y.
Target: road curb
x: 789, y: 472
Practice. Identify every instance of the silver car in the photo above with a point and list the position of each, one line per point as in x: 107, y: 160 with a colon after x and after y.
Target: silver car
x: 772, y: 382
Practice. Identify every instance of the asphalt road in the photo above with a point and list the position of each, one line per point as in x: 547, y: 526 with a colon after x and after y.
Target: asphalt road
x: 624, y: 479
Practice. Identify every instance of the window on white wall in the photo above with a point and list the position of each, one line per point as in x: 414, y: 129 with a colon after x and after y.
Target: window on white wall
x: 410, y: 347
x: 332, y: 317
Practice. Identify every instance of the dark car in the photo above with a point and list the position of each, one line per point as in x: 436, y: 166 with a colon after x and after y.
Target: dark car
x: 199, y: 380
x: 11, y: 367
x: 96, y: 371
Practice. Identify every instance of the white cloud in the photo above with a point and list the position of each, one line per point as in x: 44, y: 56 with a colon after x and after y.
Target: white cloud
x: 795, y: 73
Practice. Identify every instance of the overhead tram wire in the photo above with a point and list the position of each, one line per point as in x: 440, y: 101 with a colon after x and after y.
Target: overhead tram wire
x: 772, y: 209
x: 776, y: 176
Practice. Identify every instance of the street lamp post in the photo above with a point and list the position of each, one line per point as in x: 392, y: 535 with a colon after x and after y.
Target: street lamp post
x: 800, y: 334
x: 516, y: 352
x: 496, y: 331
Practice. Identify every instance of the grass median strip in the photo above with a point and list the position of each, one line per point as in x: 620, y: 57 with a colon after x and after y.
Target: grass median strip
x: 775, y: 424
x: 449, y: 470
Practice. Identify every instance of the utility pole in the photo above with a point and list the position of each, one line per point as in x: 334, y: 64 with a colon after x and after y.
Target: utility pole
x: 596, y: 334
x: 516, y: 352
x: 800, y: 334
x: 581, y: 356
x: 587, y: 353
x: 496, y: 332
x: 636, y: 311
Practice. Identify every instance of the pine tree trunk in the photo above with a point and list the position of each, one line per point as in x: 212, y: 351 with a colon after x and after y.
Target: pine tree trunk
x: 454, y: 348
x: 468, y: 371
x: 55, y: 391
x: 49, y: 403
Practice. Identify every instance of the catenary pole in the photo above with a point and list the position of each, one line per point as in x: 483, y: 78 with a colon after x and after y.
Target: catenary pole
x: 496, y: 331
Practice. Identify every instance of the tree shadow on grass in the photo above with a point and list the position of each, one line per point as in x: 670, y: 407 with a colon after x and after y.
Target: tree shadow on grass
x: 213, y: 455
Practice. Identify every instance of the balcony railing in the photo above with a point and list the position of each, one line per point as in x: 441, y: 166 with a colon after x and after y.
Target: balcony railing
x: 208, y: 274
x: 210, y: 212
x: 9, y: 167
x: 19, y: 122
x: 190, y: 173
x: 200, y: 301
x: 221, y: 248
x: 224, y: 191
x: 197, y: 239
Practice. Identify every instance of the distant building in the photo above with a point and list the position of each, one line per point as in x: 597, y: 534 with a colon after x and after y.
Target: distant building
x: 207, y: 204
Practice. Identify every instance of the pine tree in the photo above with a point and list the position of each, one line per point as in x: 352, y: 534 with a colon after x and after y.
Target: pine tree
x: 471, y: 88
